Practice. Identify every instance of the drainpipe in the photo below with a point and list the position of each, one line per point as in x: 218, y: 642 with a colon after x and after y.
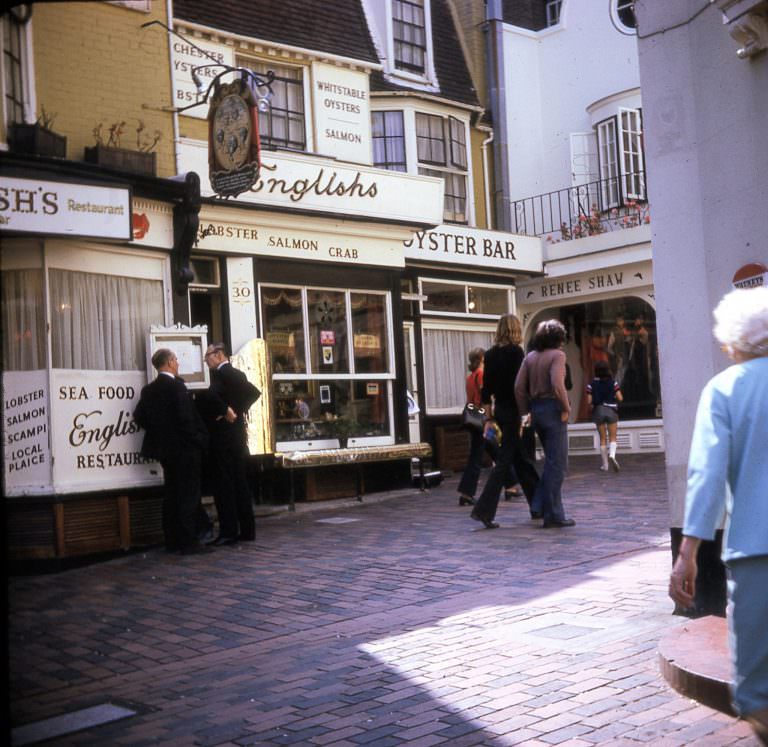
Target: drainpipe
x: 175, y: 114
x: 486, y: 181
x: 494, y: 36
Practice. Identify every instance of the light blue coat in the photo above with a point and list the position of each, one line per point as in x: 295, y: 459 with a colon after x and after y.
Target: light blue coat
x: 730, y: 445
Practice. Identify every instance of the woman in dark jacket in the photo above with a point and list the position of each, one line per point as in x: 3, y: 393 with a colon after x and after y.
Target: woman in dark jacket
x: 502, y: 362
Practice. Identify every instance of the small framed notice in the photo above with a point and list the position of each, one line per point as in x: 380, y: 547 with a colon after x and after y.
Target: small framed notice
x: 189, y: 344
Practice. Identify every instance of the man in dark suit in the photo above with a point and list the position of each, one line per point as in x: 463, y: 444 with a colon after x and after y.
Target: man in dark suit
x: 230, y: 397
x: 175, y: 436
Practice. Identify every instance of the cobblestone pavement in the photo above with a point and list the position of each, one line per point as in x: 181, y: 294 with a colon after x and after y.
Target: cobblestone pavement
x: 393, y: 622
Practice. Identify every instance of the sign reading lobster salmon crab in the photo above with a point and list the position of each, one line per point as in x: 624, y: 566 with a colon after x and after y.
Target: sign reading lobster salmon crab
x: 234, y: 150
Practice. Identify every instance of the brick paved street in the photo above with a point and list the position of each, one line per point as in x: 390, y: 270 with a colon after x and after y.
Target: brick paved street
x: 394, y: 622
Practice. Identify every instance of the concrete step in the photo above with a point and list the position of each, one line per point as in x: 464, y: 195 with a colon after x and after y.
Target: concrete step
x: 695, y: 661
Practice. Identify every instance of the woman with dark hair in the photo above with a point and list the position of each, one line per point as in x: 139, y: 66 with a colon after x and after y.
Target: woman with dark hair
x: 502, y: 362
x: 540, y: 390
x: 478, y: 443
x: 604, y: 395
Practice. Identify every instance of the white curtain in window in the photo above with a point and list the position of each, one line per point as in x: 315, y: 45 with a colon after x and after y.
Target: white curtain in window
x: 23, y: 320
x: 100, y: 322
x: 445, y: 364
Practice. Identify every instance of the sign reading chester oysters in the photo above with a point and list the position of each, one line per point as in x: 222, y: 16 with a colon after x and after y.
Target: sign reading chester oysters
x: 233, y: 139
x: 96, y: 440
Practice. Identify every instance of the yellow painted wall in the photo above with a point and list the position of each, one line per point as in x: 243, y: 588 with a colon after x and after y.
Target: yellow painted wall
x: 95, y: 64
x: 478, y: 186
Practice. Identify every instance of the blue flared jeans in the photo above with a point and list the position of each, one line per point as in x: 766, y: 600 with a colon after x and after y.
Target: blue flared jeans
x: 553, y: 434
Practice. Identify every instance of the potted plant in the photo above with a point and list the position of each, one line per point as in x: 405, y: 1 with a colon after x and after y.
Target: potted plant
x: 37, y: 139
x: 344, y: 429
x: 109, y: 152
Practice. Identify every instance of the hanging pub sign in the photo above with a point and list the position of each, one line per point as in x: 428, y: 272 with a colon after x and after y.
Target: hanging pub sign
x: 234, y: 150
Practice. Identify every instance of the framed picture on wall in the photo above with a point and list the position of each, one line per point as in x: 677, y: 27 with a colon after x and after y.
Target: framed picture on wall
x: 189, y: 344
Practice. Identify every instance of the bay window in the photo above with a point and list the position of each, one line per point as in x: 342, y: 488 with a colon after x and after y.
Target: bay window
x: 442, y: 152
x: 332, y: 366
x: 388, y: 137
x: 620, y: 152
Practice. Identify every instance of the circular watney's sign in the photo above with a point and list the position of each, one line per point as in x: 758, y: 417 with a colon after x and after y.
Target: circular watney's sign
x: 753, y: 275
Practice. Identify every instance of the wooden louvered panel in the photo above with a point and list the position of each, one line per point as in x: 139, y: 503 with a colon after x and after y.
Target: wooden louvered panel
x: 146, y: 520
x: 91, y: 526
x: 30, y: 532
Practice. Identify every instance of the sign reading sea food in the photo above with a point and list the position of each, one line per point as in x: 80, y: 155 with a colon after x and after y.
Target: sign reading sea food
x: 96, y: 441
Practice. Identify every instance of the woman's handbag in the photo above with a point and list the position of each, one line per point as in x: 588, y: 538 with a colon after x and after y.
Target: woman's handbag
x: 473, y: 417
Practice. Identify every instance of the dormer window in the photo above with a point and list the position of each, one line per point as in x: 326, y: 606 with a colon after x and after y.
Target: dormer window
x: 409, y: 35
x: 552, y: 10
x: 624, y: 12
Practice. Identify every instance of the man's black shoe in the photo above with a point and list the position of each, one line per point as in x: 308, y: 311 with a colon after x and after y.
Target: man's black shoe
x: 555, y: 524
x: 220, y: 541
x: 536, y: 515
x: 487, y: 523
x: 197, y: 549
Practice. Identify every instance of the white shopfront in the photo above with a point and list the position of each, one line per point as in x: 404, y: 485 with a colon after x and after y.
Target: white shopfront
x: 78, y: 297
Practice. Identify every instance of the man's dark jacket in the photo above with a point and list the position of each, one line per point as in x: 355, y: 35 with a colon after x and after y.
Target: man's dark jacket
x: 230, y: 388
x: 170, y: 420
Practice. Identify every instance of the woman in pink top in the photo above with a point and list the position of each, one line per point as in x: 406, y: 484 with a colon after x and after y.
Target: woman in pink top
x: 541, y: 395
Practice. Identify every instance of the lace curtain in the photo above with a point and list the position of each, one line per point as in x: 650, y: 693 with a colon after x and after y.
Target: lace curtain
x: 445, y: 364
x: 23, y: 320
x: 100, y: 322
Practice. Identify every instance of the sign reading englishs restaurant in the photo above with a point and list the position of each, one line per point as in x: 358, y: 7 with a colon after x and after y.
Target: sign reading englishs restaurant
x: 64, y: 209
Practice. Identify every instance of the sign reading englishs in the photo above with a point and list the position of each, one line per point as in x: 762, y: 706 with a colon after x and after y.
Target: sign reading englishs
x: 342, y: 112
x: 65, y: 209
x: 96, y: 441
x: 475, y: 248
x: 318, y: 184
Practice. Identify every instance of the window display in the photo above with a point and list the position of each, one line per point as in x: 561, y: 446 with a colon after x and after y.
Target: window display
x: 332, y: 383
x: 621, y: 332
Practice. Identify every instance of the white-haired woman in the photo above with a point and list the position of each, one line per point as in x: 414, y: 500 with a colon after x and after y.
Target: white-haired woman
x: 729, y: 448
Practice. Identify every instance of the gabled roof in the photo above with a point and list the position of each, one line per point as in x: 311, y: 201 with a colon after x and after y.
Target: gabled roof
x: 337, y: 27
x: 453, y: 75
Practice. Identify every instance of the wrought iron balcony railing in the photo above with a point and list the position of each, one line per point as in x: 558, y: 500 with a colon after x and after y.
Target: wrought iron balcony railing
x: 584, y: 210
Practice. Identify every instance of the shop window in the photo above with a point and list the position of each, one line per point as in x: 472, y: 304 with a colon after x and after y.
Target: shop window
x: 409, y: 34
x: 282, y: 314
x: 23, y: 320
x: 621, y: 331
x: 283, y: 126
x: 369, y: 332
x: 99, y: 322
x: 450, y: 297
x: 334, y: 381
x: 441, y: 143
x: 445, y: 363
x: 388, y: 136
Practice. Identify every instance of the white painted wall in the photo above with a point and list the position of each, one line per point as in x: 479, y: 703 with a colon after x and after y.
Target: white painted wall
x: 551, y: 77
x: 705, y: 115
